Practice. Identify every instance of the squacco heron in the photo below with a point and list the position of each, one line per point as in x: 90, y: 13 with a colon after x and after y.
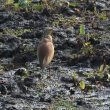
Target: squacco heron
x: 45, y: 51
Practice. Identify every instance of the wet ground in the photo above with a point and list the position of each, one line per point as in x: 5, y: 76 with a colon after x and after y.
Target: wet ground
x: 78, y: 58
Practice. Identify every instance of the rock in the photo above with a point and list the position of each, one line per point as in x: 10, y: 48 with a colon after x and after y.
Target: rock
x: 72, y: 91
x: 37, y: 16
x: 39, y: 76
x: 67, y: 80
x: 101, y: 4
x: 3, y: 89
x: 45, y: 98
x: 27, y: 108
x: 4, y: 17
x: 61, y: 35
x: 27, y: 35
x: 67, y: 11
x: 46, y: 12
x: 70, y: 31
x: 21, y: 59
x: 9, y: 46
x: 2, y: 7
x: 12, y: 108
x: 81, y: 102
x: 93, y: 41
x: 69, y: 43
x: 21, y: 72
x: 36, y: 1
x: 16, y: 1
x: 27, y: 15
x: 22, y: 87
x: 29, y: 82
x: 90, y: 6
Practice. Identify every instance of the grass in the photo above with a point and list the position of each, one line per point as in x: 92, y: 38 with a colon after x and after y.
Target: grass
x: 87, y: 49
x: 65, y: 21
x: 9, y: 2
x: 62, y: 104
x: 73, y: 4
x: 16, y: 32
x: 32, y: 6
x: 102, y: 16
x: 37, y: 7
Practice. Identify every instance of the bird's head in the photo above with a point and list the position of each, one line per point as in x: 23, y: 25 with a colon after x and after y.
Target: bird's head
x: 48, y: 31
x: 47, y: 38
x: 48, y: 34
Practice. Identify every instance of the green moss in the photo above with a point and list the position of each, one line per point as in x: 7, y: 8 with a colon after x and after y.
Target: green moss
x: 63, y: 104
x: 16, y: 6
x: 9, y: 2
x: 73, y: 4
x: 82, y: 29
x: 37, y: 7
x: 22, y: 72
x: 15, y: 32
x: 65, y: 21
x: 102, y: 16
x: 87, y: 49
x: 1, y: 69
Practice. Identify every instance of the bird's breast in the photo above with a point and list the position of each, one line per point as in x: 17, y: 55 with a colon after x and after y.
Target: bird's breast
x: 45, y: 53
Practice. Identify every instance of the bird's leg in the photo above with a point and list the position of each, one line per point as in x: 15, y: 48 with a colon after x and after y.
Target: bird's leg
x: 49, y: 75
x: 42, y: 72
x: 49, y: 71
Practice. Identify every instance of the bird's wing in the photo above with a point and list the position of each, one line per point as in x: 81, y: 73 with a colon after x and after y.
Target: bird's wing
x: 45, y: 54
x: 40, y: 55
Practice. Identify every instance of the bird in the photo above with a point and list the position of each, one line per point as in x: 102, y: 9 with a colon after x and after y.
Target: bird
x: 45, y: 50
